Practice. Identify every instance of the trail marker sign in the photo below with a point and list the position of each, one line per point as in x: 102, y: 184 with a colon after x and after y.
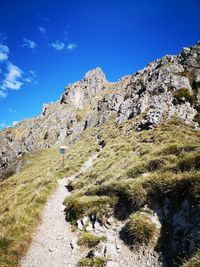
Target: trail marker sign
x: 62, y: 152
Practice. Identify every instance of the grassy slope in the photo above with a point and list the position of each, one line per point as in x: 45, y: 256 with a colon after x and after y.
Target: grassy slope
x: 23, y: 195
x: 138, y: 167
x: 132, y: 166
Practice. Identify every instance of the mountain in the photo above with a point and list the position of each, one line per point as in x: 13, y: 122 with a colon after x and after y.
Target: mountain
x: 165, y: 88
x: 145, y: 129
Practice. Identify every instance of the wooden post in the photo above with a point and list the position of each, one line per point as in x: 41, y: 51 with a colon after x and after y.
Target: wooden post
x: 62, y: 152
x: 63, y: 160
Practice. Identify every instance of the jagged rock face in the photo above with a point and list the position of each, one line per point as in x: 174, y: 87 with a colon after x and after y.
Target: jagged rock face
x: 81, y: 93
x: 149, y: 95
x: 152, y: 91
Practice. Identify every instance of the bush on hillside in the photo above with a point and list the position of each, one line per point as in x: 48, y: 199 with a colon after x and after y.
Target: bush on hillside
x: 197, y: 118
x: 139, y: 230
x: 89, y: 240
x: 184, y: 95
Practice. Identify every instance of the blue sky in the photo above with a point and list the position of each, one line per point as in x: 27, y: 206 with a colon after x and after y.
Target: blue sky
x: 44, y: 45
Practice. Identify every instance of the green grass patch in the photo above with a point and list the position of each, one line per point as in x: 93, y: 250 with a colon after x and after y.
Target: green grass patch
x: 140, y: 230
x: 79, y: 206
x: 23, y: 196
x: 183, y: 95
x: 90, y: 240
x: 194, y: 261
x: 197, y: 118
x: 92, y: 262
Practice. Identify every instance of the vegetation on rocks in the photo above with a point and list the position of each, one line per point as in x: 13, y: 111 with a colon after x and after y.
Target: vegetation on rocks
x: 183, y: 95
x: 80, y: 206
x: 194, y: 261
x: 140, y: 230
x: 151, y: 168
x: 197, y: 118
x: 89, y: 240
x: 92, y: 262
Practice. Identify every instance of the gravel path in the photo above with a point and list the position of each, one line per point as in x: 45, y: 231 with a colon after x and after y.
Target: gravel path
x: 53, y: 244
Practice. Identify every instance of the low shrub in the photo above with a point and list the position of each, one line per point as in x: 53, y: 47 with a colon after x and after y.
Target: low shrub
x: 91, y: 262
x: 175, y: 186
x: 79, y: 206
x: 130, y: 191
x: 139, y: 230
x: 135, y: 171
x: 194, y: 261
x: 78, y: 117
x: 5, y: 244
x: 184, y: 95
x: 155, y: 164
x: 175, y: 149
x: 89, y: 240
x: 188, y: 162
x: 197, y: 118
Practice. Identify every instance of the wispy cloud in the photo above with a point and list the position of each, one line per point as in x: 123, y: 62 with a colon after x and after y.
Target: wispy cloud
x: 42, y: 30
x: 29, y: 43
x: 57, y: 45
x: 30, y: 77
x: 71, y: 46
x: 4, y: 51
x: 13, y: 78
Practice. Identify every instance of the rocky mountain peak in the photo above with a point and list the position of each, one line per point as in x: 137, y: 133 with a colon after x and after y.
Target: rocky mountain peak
x: 95, y: 76
x: 81, y: 93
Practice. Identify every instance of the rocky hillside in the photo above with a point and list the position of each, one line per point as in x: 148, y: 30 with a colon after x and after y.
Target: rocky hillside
x: 167, y: 87
x: 138, y: 205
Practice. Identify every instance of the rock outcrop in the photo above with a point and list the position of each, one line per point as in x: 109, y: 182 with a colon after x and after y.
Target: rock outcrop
x: 167, y: 87
x: 82, y: 93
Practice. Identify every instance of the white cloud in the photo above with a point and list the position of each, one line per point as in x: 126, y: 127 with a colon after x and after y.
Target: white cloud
x: 71, y: 46
x: 30, y: 77
x: 13, y: 79
x: 4, y: 51
x: 11, y: 76
x: 57, y: 45
x: 33, y: 73
x: 42, y: 30
x: 29, y: 43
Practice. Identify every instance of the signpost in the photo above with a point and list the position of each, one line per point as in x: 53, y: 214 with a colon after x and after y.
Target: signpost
x: 62, y: 152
